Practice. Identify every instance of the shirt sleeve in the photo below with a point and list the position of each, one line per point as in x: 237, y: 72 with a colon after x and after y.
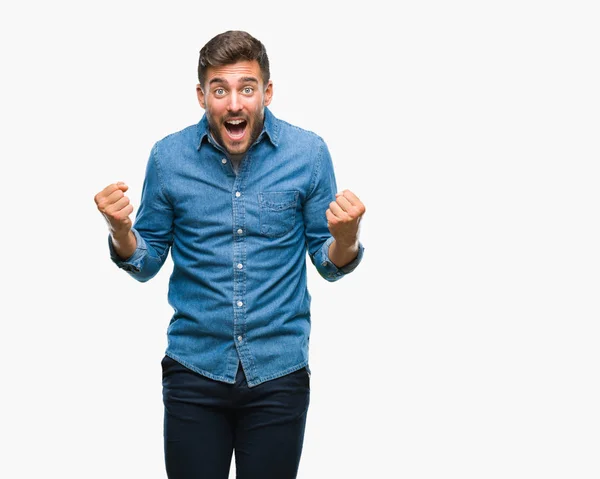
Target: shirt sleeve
x: 330, y: 271
x: 318, y: 238
x: 153, y: 227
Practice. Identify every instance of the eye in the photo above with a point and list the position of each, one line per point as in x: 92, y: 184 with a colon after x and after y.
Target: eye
x: 248, y: 90
x: 220, y: 91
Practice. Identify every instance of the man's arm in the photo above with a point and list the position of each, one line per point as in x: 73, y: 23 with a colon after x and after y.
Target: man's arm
x: 343, y: 220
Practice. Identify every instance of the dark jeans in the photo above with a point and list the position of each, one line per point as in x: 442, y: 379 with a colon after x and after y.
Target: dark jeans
x: 206, y: 420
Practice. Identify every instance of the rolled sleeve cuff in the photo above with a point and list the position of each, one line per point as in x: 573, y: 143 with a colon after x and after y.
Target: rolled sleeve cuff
x: 330, y: 271
x: 133, y: 264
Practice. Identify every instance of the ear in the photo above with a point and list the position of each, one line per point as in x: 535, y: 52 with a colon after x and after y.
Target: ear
x: 200, y: 94
x: 268, y: 93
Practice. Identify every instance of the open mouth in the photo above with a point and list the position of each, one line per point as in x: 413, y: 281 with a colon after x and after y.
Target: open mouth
x: 236, y: 128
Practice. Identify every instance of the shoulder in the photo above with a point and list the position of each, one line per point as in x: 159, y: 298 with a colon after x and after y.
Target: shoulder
x: 187, y: 135
x: 177, y: 144
x: 289, y: 131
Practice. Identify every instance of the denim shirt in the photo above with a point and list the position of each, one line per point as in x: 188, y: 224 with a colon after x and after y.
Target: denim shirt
x: 238, y: 244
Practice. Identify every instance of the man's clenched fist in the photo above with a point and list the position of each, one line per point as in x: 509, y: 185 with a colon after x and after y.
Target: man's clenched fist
x: 343, y: 217
x: 115, y: 207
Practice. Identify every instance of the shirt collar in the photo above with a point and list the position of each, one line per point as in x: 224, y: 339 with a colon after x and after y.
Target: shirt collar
x: 270, y: 129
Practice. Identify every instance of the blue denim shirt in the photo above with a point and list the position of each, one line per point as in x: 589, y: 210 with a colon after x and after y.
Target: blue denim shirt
x: 238, y: 244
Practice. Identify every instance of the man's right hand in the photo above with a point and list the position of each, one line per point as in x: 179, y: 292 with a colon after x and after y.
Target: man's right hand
x: 116, y: 208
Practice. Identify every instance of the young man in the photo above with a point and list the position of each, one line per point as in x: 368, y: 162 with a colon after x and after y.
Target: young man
x: 238, y: 199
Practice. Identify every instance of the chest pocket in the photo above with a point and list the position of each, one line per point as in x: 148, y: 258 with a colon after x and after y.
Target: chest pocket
x: 277, y: 212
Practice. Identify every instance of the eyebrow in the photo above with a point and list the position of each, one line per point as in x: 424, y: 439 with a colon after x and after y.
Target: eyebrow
x: 219, y: 80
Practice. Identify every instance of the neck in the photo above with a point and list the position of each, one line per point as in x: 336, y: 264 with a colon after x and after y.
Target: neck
x: 236, y: 158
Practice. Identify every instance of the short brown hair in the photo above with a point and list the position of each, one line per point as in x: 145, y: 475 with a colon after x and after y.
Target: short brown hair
x: 231, y: 47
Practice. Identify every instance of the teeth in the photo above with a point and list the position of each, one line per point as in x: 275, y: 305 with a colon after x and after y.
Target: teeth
x: 235, y: 122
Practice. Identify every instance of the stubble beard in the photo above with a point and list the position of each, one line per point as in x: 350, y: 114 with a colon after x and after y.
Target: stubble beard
x: 257, y: 122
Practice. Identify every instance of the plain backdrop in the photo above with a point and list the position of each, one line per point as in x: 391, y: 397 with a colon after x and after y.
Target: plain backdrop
x: 466, y: 343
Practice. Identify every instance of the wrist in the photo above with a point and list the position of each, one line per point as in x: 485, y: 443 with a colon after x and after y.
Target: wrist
x: 347, y: 244
x: 119, y: 236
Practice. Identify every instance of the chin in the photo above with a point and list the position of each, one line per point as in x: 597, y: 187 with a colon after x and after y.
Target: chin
x: 237, y: 149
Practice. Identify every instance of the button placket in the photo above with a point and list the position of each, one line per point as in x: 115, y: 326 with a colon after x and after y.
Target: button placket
x: 239, y: 260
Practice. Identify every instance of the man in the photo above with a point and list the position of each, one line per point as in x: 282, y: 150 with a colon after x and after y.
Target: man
x: 238, y: 199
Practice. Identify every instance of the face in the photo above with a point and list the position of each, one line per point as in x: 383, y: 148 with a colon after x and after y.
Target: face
x: 234, y: 97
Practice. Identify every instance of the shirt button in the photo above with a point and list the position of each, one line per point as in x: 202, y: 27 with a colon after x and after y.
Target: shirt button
x: 240, y: 339
x: 240, y: 304
x: 240, y: 266
x: 240, y: 231
x: 223, y: 161
x: 324, y: 263
x: 237, y: 194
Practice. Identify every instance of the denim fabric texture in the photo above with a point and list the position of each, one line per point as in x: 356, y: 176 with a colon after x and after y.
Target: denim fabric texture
x: 238, y: 244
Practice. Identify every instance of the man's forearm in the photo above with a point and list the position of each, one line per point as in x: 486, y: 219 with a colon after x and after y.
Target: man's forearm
x: 340, y: 255
x: 124, y: 245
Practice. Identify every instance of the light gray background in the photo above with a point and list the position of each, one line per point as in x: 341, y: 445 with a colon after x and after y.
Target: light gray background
x: 465, y: 345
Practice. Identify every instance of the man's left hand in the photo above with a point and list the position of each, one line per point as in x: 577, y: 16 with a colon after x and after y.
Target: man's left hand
x: 343, y: 217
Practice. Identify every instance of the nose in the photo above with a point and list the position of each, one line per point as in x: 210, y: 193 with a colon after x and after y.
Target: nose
x: 235, y: 103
